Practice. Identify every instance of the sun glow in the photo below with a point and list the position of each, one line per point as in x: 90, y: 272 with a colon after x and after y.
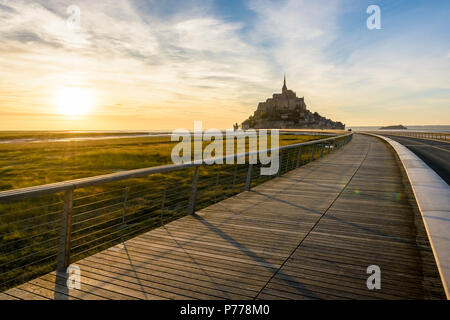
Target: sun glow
x: 74, y: 101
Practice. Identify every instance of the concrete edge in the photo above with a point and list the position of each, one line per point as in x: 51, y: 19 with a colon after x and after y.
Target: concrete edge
x: 433, y: 198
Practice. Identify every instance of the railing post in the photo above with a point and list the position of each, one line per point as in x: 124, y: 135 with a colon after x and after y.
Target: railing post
x: 299, y: 159
x: 248, y: 182
x: 312, y: 153
x: 321, y: 150
x: 64, y: 240
x: 191, y: 207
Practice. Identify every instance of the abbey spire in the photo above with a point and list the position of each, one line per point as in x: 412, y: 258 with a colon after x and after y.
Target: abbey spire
x: 284, y: 84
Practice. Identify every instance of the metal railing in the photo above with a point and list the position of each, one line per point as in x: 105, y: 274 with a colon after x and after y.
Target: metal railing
x: 444, y: 136
x: 48, y: 227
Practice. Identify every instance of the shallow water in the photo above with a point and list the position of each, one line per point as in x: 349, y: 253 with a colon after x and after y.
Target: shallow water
x: 36, y: 140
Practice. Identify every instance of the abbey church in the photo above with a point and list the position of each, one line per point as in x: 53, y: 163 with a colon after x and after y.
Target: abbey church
x: 286, y: 111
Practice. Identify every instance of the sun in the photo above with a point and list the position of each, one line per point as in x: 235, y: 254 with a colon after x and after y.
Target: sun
x: 74, y: 101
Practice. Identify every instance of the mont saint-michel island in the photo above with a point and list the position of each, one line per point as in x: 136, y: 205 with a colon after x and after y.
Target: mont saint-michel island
x: 287, y: 111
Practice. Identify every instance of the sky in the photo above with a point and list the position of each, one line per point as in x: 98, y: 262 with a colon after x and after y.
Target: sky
x: 152, y: 65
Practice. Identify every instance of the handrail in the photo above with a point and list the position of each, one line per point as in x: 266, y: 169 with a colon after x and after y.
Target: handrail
x: 440, y: 136
x: 23, y: 193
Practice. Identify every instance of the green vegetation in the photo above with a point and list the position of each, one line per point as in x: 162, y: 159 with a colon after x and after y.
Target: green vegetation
x: 107, y: 214
x: 28, y: 164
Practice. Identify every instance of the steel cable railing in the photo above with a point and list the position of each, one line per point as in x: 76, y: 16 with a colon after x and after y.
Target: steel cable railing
x: 74, y: 219
x: 443, y: 136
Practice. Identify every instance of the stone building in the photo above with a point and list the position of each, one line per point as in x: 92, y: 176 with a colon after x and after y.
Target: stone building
x: 285, y: 110
x: 286, y: 100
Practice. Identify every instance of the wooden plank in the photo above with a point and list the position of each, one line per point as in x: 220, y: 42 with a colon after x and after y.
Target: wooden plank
x: 101, y: 289
x: 4, y: 296
x: 43, y: 291
x: 24, y: 295
x: 199, y: 263
x: 190, y: 275
x: 168, y: 287
x: 350, y: 278
x: 63, y: 292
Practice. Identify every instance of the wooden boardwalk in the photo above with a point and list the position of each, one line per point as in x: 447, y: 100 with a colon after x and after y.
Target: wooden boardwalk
x: 309, y: 234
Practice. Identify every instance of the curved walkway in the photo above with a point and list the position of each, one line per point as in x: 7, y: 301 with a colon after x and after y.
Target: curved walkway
x: 310, y: 234
x: 432, y: 194
x: 434, y: 153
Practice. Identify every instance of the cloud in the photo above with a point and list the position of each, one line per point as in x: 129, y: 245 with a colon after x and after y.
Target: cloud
x: 335, y: 66
x: 128, y: 57
x: 160, y: 59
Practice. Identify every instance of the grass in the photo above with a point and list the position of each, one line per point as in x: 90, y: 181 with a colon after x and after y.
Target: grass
x: 28, y: 164
x: 101, y: 218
